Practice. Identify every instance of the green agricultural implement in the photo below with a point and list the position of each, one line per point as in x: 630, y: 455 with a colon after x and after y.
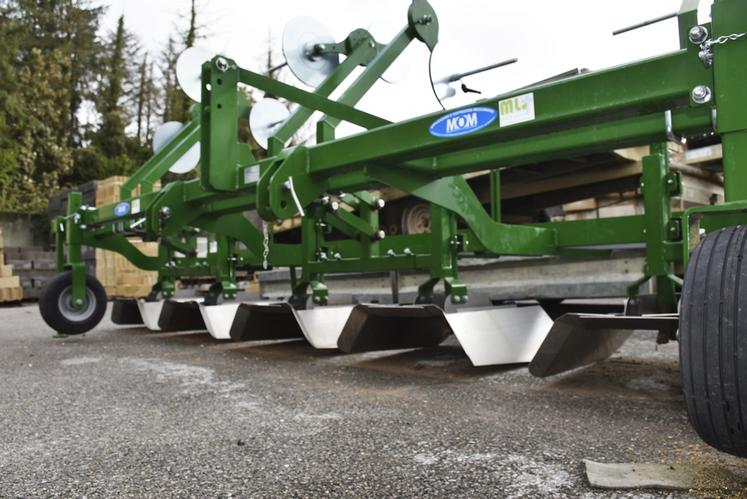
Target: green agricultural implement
x: 693, y: 258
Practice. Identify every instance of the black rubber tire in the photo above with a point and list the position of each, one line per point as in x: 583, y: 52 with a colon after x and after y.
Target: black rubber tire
x: 64, y: 321
x: 713, y: 340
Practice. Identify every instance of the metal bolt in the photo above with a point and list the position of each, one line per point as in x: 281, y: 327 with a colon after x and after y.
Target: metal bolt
x: 334, y: 206
x: 391, y: 253
x: 426, y: 19
x: 379, y: 204
x: 165, y: 212
x: 706, y: 56
x: 326, y: 200
x: 698, y: 34
x: 408, y: 252
x: 380, y: 235
x: 78, y: 302
x: 222, y: 64
x: 371, y: 44
x: 701, y: 94
x: 337, y: 256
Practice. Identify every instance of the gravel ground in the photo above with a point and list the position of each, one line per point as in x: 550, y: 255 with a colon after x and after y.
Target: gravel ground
x: 125, y: 412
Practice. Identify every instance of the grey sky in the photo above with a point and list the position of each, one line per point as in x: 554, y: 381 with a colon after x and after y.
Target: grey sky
x: 548, y: 37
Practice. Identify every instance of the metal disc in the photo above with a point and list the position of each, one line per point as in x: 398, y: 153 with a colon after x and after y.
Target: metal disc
x: 265, y: 118
x: 188, y: 161
x: 189, y: 70
x: 299, y: 37
x: 165, y: 133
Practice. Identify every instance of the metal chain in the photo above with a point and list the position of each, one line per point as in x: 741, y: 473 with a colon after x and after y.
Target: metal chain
x: 265, y: 244
x: 722, y: 40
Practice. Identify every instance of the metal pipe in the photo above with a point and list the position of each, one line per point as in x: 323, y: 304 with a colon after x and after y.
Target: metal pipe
x: 459, y: 76
x: 276, y: 68
x: 646, y: 23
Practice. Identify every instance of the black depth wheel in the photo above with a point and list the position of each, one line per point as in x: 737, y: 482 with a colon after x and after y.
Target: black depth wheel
x: 55, y: 305
x: 713, y: 340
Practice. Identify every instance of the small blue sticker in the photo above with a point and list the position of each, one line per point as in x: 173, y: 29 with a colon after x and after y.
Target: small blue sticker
x: 122, y: 209
x: 463, y: 122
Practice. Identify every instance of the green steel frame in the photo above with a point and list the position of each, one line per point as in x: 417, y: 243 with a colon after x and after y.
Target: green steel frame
x: 642, y: 103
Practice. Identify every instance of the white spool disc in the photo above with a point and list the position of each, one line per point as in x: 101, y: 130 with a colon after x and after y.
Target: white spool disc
x: 188, y: 162
x: 299, y: 37
x: 189, y: 70
x: 165, y: 133
x: 265, y: 118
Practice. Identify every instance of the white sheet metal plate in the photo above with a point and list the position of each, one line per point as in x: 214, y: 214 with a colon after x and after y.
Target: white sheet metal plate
x: 150, y: 311
x: 495, y: 336
x: 322, y: 326
x: 218, y: 319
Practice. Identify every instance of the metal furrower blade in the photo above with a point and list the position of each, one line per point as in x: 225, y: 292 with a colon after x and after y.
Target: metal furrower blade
x: 265, y: 321
x: 323, y: 326
x: 495, y: 336
x: 181, y: 315
x: 392, y: 327
x: 577, y: 340
x: 125, y: 312
x: 150, y: 311
x: 218, y: 319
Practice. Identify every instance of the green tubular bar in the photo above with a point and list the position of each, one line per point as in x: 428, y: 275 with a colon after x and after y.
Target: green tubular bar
x: 599, y: 111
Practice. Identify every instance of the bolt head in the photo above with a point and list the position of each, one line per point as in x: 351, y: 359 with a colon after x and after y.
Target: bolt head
x: 380, y: 203
x: 698, y: 34
x: 380, y: 235
x: 702, y: 94
x: 334, y: 206
x: 706, y: 56
x: 221, y: 63
x: 78, y: 302
x: 165, y: 212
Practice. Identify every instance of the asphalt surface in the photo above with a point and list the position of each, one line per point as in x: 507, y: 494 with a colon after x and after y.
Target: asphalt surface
x: 126, y: 412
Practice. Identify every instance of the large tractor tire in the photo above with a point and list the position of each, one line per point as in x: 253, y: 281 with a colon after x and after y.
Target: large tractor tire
x: 713, y: 340
x: 55, y: 305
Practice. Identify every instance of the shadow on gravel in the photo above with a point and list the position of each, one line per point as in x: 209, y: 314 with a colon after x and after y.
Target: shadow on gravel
x: 621, y: 377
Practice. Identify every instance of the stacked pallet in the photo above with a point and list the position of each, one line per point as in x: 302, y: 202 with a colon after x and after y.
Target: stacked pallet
x: 33, y: 265
x: 696, y: 191
x: 119, y: 277
x: 10, y: 285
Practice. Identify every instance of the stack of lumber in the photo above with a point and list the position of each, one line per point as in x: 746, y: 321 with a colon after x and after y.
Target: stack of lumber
x: 118, y: 276
x: 10, y: 285
x: 701, y: 185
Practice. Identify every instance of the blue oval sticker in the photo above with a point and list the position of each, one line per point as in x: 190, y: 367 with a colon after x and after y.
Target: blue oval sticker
x: 463, y: 122
x: 122, y: 209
